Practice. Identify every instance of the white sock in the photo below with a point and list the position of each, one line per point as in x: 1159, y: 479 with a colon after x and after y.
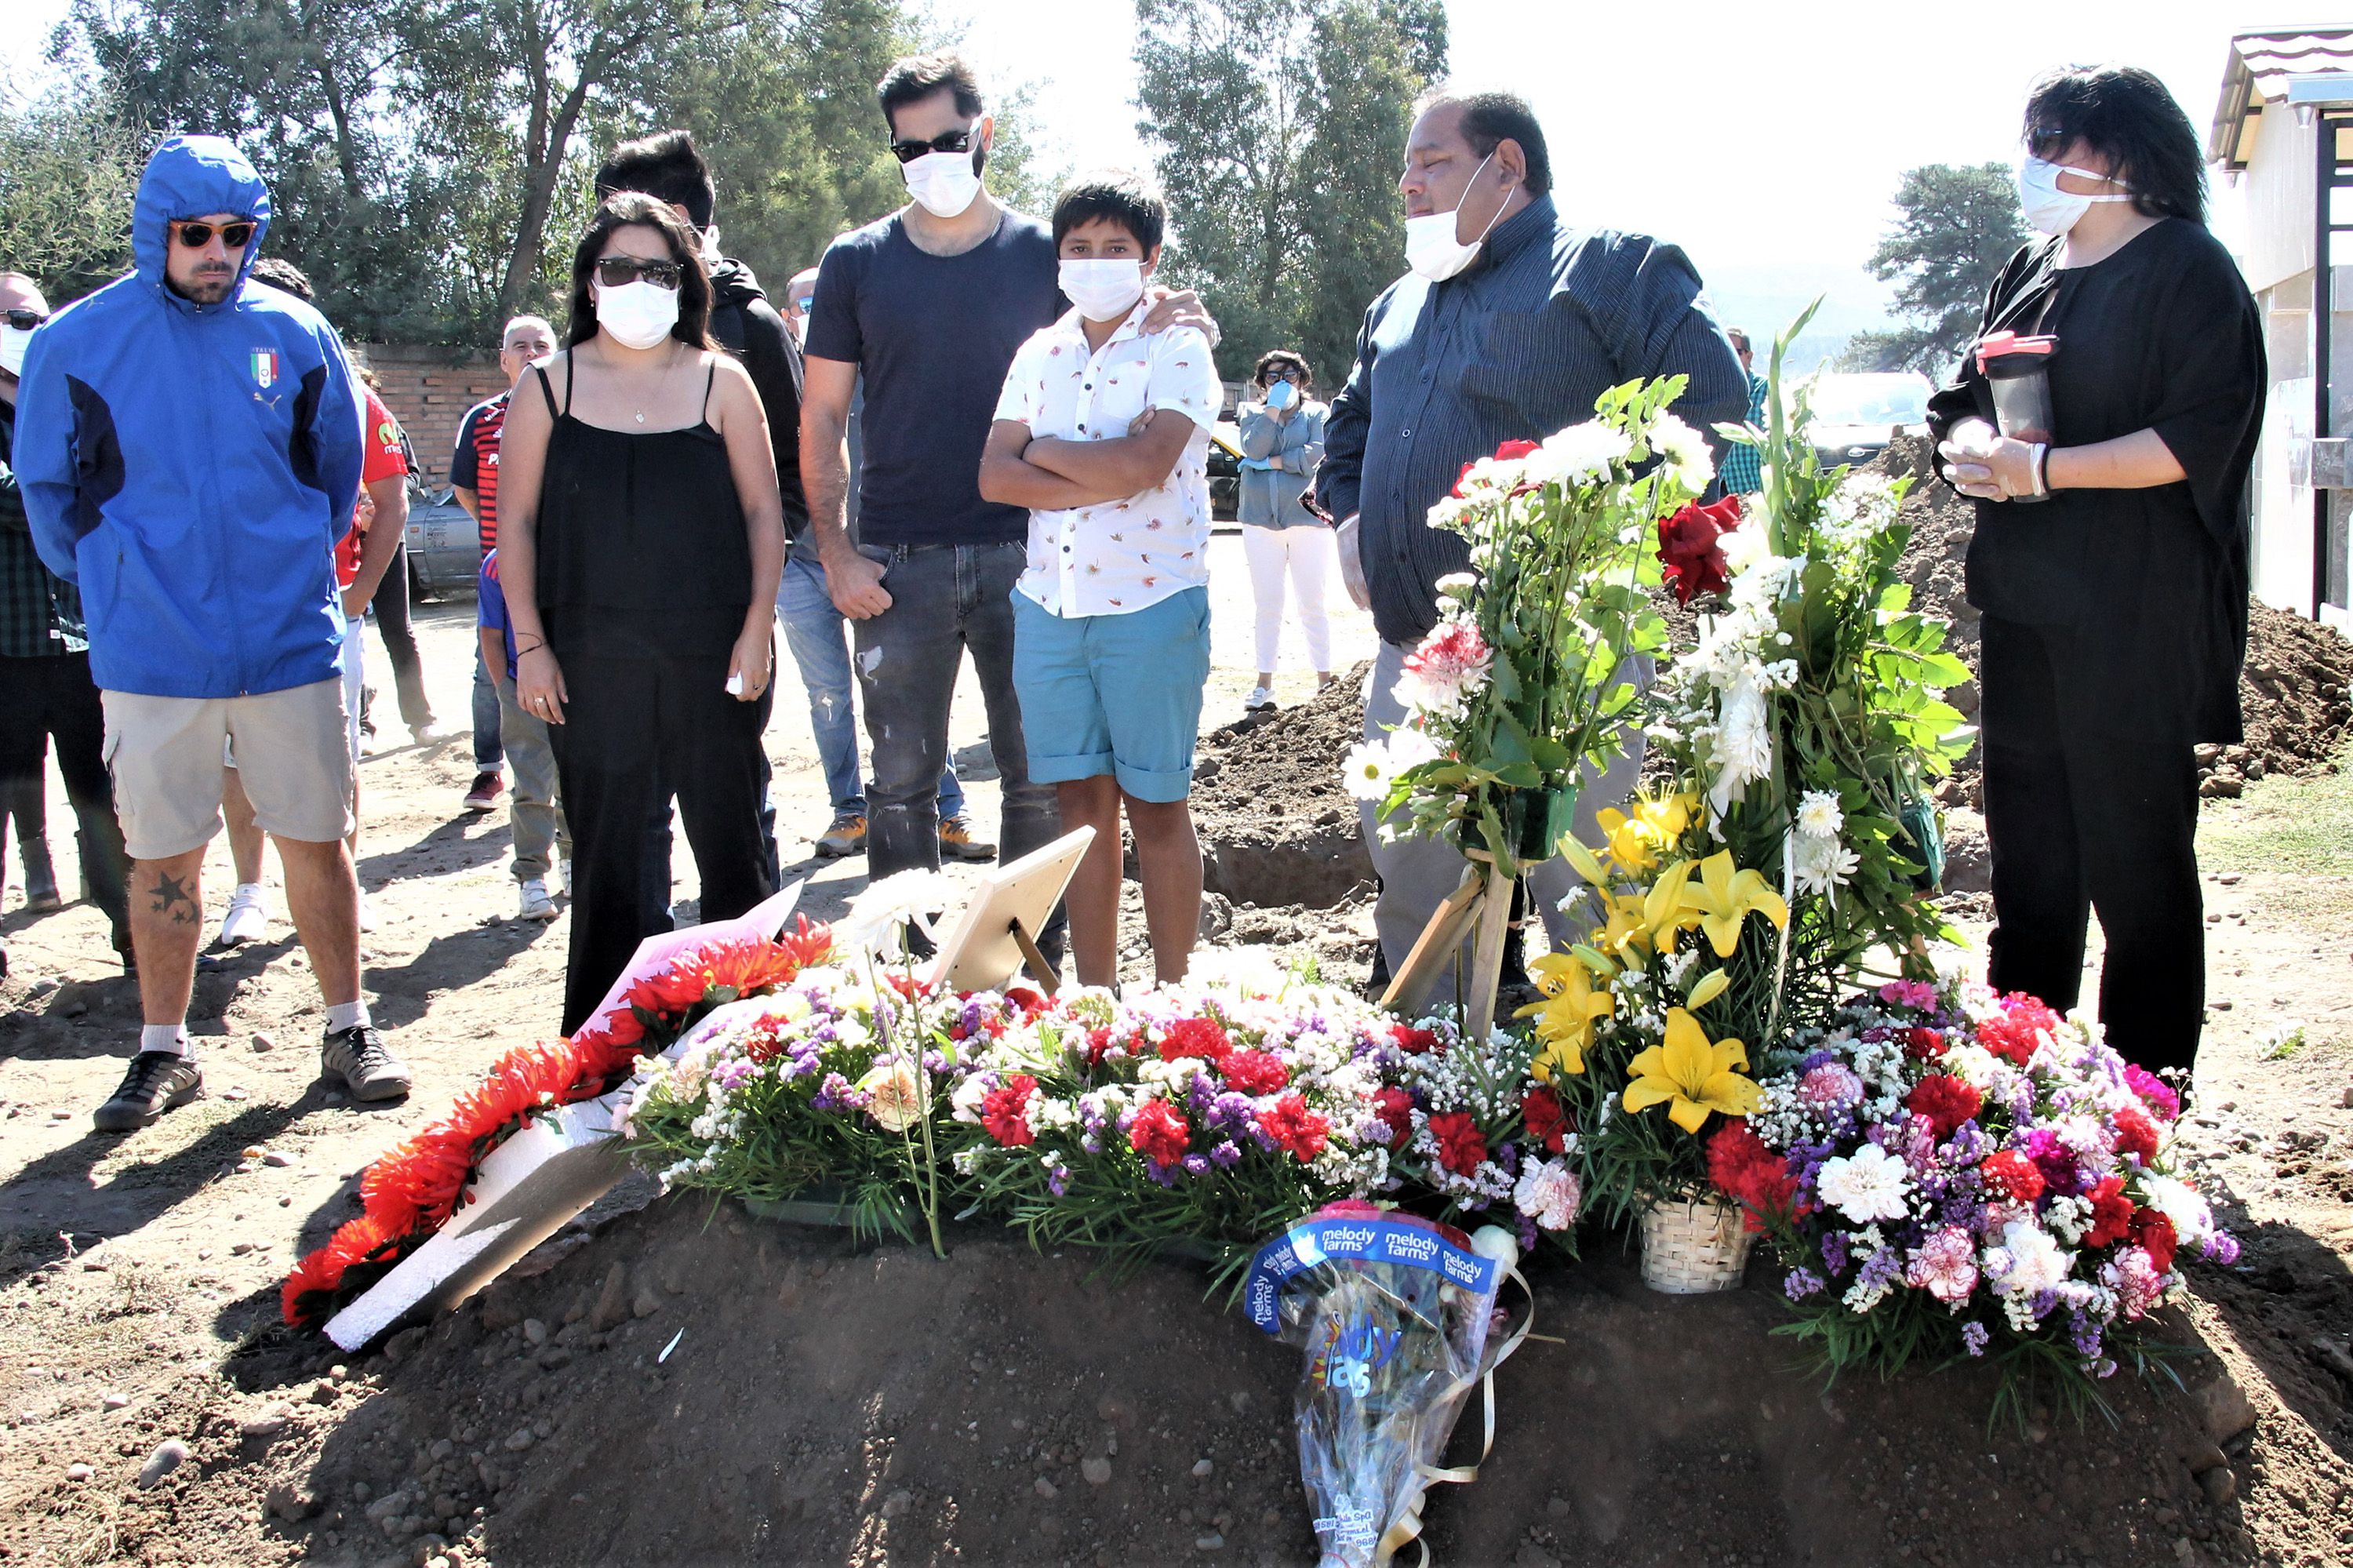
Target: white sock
x: 169, y: 1038
x: 246, y: 892
x: 343, y: 1015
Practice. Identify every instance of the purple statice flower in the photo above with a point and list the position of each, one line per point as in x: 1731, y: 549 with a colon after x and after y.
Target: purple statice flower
x: 1260, y: 1136
x: 1813, y: 1059
x: 1231, y: 1108
x: 974, y: 1019
x: 1058, y: 1178
x: 1527, y: 1234
x: 1507, y: 1159
x: 2222, y: 1247
x: 1968, y: 1145
x: 1197, y: 1165
x: 1163, y: 1174
x: 1883, y: 1267
x: 1202, y: 1096
x: 2083, y: 1333
x: 1973, y: 1337
x: 835, y: 1093
x: 1227, y: 1154
x: 1802, y: 1283
x: 732, y: 1074
x: 1834, y: 1252
x: 935, y: 1061
x: 1091, y: 1140
x: 2041, y: 1304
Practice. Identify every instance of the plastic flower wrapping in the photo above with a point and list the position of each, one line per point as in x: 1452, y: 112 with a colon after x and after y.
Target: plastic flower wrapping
x: 1941, y: 1169
x: 1394, y: 1318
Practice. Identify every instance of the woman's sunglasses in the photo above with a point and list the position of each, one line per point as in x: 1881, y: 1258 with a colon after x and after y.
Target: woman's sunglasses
x: 197, y: 236
x: 620, y: 271
x: 25, y: 320
x: 945, y: 142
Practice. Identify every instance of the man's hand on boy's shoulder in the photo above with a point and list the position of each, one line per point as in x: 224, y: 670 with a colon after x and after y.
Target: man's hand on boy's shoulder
x: 1180, y: 307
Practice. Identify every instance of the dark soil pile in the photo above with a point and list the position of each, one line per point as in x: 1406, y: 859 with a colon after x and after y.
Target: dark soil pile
x: 1276, y: 827
x: 825, y: 1403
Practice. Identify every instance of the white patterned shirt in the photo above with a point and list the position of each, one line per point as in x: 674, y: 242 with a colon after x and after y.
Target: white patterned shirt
x: 1117, y: 557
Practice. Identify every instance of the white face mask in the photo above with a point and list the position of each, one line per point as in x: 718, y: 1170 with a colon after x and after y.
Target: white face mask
x: 1431, y: 247
x: 1103, y: 289
x: 943, y: 184
x: 13, y: 341
x: 638, y: 314
x: 2048, y: 209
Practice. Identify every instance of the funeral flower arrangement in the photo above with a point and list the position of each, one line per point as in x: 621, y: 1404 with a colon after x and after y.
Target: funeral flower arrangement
x: 1946, y: 1172
x: 1524, y: 679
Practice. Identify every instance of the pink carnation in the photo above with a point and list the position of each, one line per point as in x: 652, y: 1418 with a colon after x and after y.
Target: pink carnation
x: 1833, y: 1085
x: 1944, y: 1265
x: 1451, y: 663
x: 2154, y: 1092
x: 2139, y: 1283
x: 1908, y: 993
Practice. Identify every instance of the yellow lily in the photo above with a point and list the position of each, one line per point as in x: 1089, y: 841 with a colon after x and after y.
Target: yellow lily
x: 1691, y: 1075
x: 1666, y: 907
x: 1724, y: 898
x: 1657, y: 822
x: 1565, y: 1021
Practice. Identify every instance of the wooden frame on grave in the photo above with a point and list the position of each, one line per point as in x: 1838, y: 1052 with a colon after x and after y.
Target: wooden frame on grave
x: 995, y: 937
x: 1479, y: 908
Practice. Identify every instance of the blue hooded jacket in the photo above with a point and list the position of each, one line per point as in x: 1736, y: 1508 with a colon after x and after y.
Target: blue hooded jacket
x: 192, y: 466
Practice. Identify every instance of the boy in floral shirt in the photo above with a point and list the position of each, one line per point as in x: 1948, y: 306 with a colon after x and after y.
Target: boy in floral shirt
x: 1104, y: 433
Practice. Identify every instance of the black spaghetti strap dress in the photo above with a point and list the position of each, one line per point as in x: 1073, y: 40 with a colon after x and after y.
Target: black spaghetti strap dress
x: 644, y: 578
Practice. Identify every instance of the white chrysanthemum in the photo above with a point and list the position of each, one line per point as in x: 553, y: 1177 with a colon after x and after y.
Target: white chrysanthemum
x: 1457, y: 585
x: 1549, y: 1193
x: 1743, y: 744
x: 1818, y: 816
x: 2029, y: 1261
x: 1866, y: 1185
x: 1585, y: 453
x: 1685, y: 451
x: 1820, y: 864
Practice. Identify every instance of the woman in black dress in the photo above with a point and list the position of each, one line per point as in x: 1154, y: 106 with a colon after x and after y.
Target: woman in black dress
x: 641, y: 538
x: 2110, y: 562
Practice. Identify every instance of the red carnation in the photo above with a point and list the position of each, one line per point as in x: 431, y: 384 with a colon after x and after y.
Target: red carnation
x: 1923, y: 1044
x: 2137, y: 1135
x: 1546, y: 1122
x: 1005, y: 1110
x: 2112, y: 1213
x: 1159, y: 1133
x: 1690, y: 544
x: 2010, y: 1174
x: 1944, y: 1102
x: 2017, y: 1029
x: 1412, y: 1041
x: 2154, y: 1234
x: 1462, y: 1147
x: 1202, y: 1037
x: 1395, y: 1108
x: 1745, y: 1169
x: 1512, y: 451
x: 1256, y: 1072
x: 1294, y: 1127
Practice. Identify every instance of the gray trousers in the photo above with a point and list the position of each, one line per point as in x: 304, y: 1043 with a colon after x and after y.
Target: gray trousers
x: 1417, y: 874
x: 533, y: 809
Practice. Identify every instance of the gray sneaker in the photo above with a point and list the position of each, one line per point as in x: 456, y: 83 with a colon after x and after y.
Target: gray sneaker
x: 158, y: 1081
x: 359, y: 1057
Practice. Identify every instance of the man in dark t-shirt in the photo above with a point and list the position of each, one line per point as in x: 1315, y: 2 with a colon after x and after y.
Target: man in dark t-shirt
x: 929, y: 306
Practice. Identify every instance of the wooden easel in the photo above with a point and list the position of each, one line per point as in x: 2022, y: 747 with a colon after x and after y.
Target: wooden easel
x: 1480, y: 907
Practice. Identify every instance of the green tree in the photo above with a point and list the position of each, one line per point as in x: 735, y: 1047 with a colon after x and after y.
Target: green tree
x: 1956, y: 226
x: 70, y: 165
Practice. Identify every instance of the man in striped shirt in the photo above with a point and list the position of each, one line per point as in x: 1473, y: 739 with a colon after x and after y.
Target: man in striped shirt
x: 474, y: 475
x: 1507, y: 328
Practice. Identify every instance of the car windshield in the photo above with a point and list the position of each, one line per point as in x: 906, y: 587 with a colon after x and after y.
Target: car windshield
x: 1871, y: 400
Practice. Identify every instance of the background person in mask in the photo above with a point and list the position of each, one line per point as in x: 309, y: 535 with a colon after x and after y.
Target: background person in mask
x: 640, y: 543
x: 1282, y: 442
x: 45, y: 689
x: 930, y: 305
x: 1511, y: 322
x: 2115, y: 613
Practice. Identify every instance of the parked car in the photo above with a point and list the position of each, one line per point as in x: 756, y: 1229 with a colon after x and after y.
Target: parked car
x: 445, y: 547
x: 1853, y: 415
x: 1225, y: 471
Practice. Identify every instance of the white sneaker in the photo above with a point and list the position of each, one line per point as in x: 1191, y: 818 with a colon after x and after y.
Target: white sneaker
x: 244, y: 922
x: 1260, y: 699
x: 432, y: 732
x: 536, y: 903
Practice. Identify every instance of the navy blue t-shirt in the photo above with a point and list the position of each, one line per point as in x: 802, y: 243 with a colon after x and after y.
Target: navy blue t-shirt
x: 933, y: 336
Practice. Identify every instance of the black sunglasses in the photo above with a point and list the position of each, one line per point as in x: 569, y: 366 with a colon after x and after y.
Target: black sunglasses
x: 945, y: 142
x: 620, y: 271
x: 197, y: 236
x: 25, y: 319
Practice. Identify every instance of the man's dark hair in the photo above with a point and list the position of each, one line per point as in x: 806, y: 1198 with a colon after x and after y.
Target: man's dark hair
x: 1117, y: 194
x: 666, y: 167
x: 283, y: 276
x: 2125, y: 114
x: 1490, y: 119
x: 913, y: 78
x: 619, y: 211
x: 1292, y: 357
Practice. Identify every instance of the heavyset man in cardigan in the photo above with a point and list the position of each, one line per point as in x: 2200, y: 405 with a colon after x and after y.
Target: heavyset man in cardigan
x: 1511, y: 322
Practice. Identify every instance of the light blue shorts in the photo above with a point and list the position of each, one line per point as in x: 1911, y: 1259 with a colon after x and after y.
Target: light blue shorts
x: 1114, y: 693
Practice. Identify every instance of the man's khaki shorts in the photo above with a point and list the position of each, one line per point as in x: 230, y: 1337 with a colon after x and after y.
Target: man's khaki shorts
x: 291, y: 756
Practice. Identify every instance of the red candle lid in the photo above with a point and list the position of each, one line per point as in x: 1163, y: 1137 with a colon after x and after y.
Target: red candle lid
x: 1996, y: 345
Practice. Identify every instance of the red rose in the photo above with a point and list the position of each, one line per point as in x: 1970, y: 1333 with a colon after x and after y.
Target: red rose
x: 2135, y: 1134
x: 1294, y: 1127
x: 1924, y: 1044
x: 1159, y: 1133
x: 1546, y: 1122
x: 1201, y: 1037
x: 1690, y: 544
x: 2010, y: 1174
x: 1462, y: 1147
x: 1395, y: 1108
x: 1005, y: 1110
x: 1256, y: 1072
x: 2112, y: 1213
x: 1944, y: 1102
x: 2154, y: 1234
x: 1412, y: 1041
x: 1512, y: 452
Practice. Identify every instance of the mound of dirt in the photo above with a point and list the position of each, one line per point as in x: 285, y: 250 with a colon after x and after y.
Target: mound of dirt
x: 1276, y: 828
x: 820, y: 1401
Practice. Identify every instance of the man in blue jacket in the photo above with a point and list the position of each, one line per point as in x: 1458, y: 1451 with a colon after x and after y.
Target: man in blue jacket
x: 189, y: 448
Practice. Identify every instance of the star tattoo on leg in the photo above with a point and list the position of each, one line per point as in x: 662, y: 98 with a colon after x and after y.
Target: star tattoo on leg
x: 171, y: 895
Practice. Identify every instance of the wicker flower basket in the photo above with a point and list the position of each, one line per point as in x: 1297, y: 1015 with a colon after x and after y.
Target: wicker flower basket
x: 1695, y: 1248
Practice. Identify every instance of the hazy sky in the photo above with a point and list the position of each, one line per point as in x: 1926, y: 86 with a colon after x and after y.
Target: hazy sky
x: 1765, y: 137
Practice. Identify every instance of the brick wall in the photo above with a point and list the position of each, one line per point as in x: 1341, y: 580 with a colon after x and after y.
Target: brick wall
x: 429, y: 390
